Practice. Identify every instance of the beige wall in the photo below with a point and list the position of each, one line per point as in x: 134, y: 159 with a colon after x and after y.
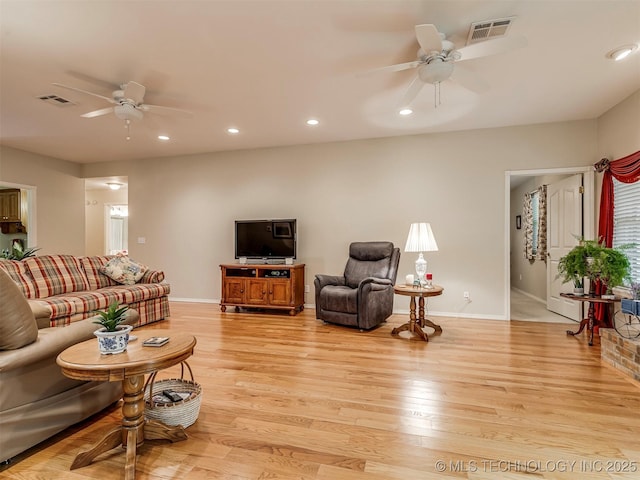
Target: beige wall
x: 618, y: 134
x: 619, y: 129
x: 59, y: 198
x: 342, y: 192
x: 95, y: 203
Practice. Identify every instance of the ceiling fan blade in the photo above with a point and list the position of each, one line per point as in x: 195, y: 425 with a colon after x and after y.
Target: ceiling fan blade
x: 159, y: 110
x: 491, y: 47
x: 412, y: 92
x: 394, y: 68
x: 98, y: 113
x: 429, y: 38
x: 469, y: 79
x: 108, y: 99
x: 135, y: 92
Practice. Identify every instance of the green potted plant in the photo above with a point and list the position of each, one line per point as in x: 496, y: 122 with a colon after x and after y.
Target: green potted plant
x: 594, y: 261
x: 17, y: 252
x: 112, y: 337
x: 612, y: 267
x: 574, y: 266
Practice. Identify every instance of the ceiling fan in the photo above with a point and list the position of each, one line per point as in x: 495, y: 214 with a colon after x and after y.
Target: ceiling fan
x: 128, y: 103
x: 438, y: 59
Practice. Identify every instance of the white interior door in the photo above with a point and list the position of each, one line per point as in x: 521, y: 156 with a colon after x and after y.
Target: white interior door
x: 564, y: 222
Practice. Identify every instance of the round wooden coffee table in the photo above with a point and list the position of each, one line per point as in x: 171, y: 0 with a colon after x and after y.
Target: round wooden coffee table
x: 84, y: 362
x: 415, y: 324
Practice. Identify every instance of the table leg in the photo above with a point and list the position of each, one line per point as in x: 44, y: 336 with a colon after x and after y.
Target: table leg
x: 586, y: 322
x: 110, y: 441
x: 132, y: 433
x: 425, y: 322
x: 412, y: 326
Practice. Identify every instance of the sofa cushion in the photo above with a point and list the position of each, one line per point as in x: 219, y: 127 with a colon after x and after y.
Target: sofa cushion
x: 18, y: 272
x: 124, y: 270
x: 56, y: 274
x: 17, y: 324
x: 92, y: 268
x: 139, y: 292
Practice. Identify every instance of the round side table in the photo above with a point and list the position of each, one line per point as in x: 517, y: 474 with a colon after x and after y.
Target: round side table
x: 417, y: 323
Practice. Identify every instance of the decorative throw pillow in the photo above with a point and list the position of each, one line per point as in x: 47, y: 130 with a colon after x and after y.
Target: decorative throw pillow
x: 124, y: 270
x: 17, y: 324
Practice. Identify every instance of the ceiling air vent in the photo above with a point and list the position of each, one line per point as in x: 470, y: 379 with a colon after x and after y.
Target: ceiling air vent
x: 56, y: 100
x: 488, y: 29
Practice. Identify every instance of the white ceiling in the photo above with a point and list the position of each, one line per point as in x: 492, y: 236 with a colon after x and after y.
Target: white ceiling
x: 266, y: 66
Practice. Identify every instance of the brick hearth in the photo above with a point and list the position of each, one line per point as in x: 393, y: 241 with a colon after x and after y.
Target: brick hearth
x: 622, y: 353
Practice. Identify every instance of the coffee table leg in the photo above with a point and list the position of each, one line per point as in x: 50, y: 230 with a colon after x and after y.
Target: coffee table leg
x: 132, y: 421
x: 159, y: 431
x: 110, y: 441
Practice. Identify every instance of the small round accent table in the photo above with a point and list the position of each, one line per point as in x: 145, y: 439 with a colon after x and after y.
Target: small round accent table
x: 591, y: 320
x: 83, y: 361
x: 417, y: 323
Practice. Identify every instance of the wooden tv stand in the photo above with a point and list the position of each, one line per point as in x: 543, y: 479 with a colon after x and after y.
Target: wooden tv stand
x: 263, y: 286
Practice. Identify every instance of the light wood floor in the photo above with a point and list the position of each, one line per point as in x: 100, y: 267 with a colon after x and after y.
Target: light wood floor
x: 292, y: 398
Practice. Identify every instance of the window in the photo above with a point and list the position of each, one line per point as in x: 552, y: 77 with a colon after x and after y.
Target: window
x: 626, y: 222
x: 535, y: 221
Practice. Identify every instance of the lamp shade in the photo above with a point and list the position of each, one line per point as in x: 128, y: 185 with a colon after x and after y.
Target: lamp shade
x: 421, y: 239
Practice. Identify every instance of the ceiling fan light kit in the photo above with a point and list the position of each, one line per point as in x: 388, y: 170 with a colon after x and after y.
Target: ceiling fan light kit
x: 128, y: 101
x: 437, y: 56
x: 126, y: 111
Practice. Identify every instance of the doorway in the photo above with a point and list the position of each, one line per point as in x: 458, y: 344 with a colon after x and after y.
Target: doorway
x: 116, y: 229
x: 28, y: 195
x: 106, y: 215
x: 513, y: 180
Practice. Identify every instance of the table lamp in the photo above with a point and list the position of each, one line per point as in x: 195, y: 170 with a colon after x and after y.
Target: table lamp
x: 420, y: 240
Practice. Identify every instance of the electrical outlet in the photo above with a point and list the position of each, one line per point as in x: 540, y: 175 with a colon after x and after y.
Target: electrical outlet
x: 307, y: 288
x: 466, y: 295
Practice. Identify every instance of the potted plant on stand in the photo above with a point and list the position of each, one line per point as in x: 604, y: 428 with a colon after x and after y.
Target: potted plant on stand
x: 594, y: 261
x: 113, y: 337
x: 573, y: 267
x: 612, y: 267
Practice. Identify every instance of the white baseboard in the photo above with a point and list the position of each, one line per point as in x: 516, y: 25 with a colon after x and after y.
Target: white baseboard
x: 311, y: 306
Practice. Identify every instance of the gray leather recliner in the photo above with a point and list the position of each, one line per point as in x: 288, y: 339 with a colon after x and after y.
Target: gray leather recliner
x: 363, y: 296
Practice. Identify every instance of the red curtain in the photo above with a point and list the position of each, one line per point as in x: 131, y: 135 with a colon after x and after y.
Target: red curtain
x: 626, y: 170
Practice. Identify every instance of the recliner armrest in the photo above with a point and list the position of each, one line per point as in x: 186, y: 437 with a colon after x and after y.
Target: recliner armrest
x: 381, y: 282
x: 324, y: 280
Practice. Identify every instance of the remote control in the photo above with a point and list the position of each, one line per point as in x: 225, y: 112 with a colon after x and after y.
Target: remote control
x: 171, y: 395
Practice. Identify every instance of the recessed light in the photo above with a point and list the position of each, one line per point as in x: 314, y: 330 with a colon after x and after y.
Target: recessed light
x: 312, y: 122
x: 233, y: 131
x: 405, y: 111
x: 621, y: 53
x: 163, y: 137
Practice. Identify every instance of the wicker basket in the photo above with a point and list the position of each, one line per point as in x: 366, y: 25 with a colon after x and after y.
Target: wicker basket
x: 183, y: 413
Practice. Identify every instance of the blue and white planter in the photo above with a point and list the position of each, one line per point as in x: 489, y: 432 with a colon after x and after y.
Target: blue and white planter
x: 630, y: 306
x: 113, y: 342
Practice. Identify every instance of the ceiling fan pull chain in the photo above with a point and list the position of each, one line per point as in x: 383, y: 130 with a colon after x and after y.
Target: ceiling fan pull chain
x: 127, y: 124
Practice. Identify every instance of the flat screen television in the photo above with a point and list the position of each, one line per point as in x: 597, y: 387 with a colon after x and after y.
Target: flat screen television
x: 266, y: 239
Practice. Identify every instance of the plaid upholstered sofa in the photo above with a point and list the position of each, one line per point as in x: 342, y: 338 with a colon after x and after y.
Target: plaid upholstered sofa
x: 72, y: 288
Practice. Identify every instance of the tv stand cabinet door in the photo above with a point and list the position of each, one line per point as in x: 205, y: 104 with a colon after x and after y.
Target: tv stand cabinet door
x: 233, y: 290
x: 256, y: 291
x: 280, y: 292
